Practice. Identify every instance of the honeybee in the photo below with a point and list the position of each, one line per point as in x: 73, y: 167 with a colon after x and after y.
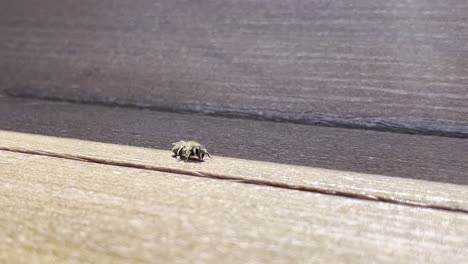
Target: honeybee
x: 189, y: 150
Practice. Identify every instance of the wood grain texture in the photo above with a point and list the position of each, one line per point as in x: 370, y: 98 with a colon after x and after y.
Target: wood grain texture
x: 55, y: 210
x: 381, y: 64
x: 236, y: 156
x: 397, y: 155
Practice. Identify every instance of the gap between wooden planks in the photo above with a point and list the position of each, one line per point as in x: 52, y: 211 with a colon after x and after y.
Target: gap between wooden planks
x: 347, y: 184
x: 59, y: 210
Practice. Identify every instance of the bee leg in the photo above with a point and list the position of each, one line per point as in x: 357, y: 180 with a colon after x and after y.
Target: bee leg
x: 208, y: 154
x: 187, y: 154
x: 179, y: 153
x: 179, y: 150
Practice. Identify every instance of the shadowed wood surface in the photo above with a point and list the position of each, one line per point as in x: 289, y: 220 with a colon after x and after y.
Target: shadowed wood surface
x: 155, y: 132
x: 381, y: 64
x: 406, y: 156
x: 56, y: 210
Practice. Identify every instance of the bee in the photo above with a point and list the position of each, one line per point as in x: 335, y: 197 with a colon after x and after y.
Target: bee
x: 189, y: 150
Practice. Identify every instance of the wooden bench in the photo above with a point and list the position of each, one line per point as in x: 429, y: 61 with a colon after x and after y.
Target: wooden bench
x: 338, y: 130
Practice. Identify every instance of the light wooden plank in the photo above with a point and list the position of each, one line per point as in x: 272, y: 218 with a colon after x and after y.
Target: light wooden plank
x: 237, y: 144
x: 363, y: 63
x: 57, y: 210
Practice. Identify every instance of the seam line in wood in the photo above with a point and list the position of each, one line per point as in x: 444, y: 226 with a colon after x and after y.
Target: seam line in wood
x: 381, y: 126
x: 237, y: 179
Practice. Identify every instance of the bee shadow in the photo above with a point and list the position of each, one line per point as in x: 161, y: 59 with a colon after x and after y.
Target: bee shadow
x: 190, y: 160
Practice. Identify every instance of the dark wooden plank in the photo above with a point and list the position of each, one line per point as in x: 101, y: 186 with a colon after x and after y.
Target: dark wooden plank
x: 62, y: 211
x: 398, y: 155
x: 372, y: 64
